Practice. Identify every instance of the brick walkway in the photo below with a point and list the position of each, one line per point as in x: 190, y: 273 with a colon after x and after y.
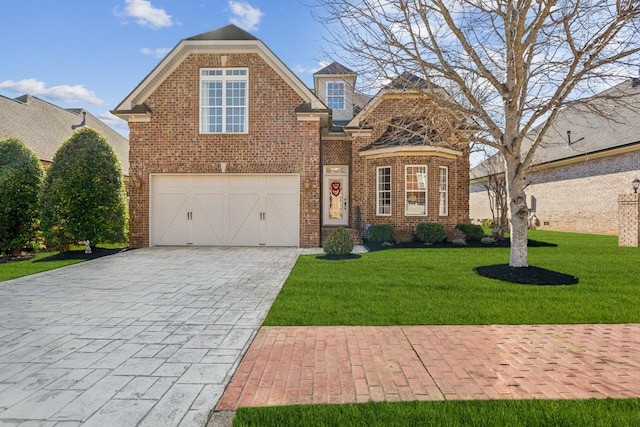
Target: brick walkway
x: 304, y: 365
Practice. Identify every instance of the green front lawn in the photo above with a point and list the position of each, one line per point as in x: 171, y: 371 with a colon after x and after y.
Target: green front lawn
x: 438, y: 286
x: 512, y: 413
x: 44, y: 261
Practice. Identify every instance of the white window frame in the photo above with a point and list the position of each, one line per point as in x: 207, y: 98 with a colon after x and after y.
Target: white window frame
x: 380, y: 211
x: 339, y: 97
x: 443, y: 188
x: 408, y: 192
x: 224, y: 76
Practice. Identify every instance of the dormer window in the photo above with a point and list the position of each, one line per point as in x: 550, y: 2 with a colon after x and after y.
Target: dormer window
x: 335, y: 95
x: 223, y: 100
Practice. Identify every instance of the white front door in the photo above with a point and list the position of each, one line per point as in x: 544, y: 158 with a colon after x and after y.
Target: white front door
x: 336, y: 195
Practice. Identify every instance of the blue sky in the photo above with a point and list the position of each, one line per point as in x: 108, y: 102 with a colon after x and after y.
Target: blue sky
x: 91, y: 54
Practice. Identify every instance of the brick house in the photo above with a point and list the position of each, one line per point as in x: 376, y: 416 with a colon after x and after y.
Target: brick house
x: 229, y: 147
x: 586, y: 160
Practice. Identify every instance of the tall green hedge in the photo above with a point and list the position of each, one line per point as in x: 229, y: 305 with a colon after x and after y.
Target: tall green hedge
x: 20, y: 180
x: 83, y: 196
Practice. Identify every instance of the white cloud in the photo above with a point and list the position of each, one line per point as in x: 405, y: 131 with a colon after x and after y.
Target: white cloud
x: 158, y: 52
x: 244, y: 15
x: 145, y: 14
x: 65, y: 93
x: 115, y: 123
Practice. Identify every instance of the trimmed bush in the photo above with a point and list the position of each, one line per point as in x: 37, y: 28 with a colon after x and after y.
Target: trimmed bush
x: 452, y: 233
x: 488, y: 240
x: 430, y: 232
x: 471, y: 231
x: 459, y: 242
x: 379, y: 233
x: 338, y: 242
x: 403, y: 235
x: 83, y: 196
x: 20, y: 180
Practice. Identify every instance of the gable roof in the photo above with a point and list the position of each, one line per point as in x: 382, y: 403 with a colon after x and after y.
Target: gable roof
x: 229, y: 39
x: 335, y: 68
x: 44, y: 126
x: 610, y: 120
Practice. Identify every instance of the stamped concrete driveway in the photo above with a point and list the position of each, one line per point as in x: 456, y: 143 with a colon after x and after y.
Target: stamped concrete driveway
x: 148, y: 337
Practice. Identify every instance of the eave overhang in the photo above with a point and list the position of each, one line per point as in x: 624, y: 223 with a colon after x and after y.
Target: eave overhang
x: 410, y: 150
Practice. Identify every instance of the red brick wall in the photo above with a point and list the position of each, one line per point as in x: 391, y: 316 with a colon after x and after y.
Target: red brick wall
x: 275, y: 143
x: 363, y: 177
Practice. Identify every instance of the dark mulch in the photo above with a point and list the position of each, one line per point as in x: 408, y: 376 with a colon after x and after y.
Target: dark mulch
x: 374, y: 246
x: 338, y: 257
x: 526, y: 275
x: 14, y: 258
x: 79, y: 254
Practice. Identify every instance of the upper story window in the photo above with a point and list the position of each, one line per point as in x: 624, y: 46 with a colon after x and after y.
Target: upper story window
x: 383, y: 191
x: 335, y: 95
x: 415, y: 190
x: 223, y: 100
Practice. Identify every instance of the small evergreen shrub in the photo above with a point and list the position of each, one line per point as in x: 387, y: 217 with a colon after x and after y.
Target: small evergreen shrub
x: 488, y: 240
x: 471, y: 231
x: 379, y: 233
x: 338, y: 242
x: 459, y: 242
x: 403, y: 235
x: 430, y: 232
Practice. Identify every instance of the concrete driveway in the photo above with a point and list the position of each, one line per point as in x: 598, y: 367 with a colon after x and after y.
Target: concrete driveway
x: 149, y: 337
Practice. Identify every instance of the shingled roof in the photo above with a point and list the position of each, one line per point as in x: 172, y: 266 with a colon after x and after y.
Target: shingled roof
x: 229, y: 32
x: 335, y: 68
x: 44, y: 126
x: 604, y: 122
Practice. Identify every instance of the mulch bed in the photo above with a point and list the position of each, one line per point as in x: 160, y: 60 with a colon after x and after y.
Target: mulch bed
x: 79, y: 254
x: 13, y: 258
x: 338, y: 257
x: 374, y: 246
x: 526, y: 275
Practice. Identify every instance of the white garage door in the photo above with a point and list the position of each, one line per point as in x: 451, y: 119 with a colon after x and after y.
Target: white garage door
x: 229, y: 210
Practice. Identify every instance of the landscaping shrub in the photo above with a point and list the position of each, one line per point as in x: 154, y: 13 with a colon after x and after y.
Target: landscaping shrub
x: 471, y: 231
x: 83, y: 196
x: 338, y: 242
x: 20, y: 181
x: 488, y: 240
x: 403, y: 235
x: 452, y: 233
x: 459, y: 242
x: 379, y: 233
x: 430, y: 232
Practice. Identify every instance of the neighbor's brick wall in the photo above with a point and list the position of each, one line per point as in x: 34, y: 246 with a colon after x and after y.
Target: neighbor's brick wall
x: 363, y: 178
x: 629, y: 220
x: 276, y: 141
x: 581, y: 197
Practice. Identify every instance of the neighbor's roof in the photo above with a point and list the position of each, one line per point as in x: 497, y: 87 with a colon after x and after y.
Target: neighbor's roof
x: 604, y: 122
x: 44, y: 126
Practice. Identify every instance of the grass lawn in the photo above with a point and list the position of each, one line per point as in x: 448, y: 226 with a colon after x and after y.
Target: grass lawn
x: 438, y: 287
x: 44, y: 261
x: 512, y: 413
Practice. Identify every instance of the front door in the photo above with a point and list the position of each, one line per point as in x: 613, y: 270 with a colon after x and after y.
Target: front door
x: 336, y: 195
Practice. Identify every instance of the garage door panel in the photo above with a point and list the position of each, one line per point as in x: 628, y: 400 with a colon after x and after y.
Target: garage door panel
x: 244, y: 219
x: 282, y: 213
x: 208, y: 219
x: 170, y: 218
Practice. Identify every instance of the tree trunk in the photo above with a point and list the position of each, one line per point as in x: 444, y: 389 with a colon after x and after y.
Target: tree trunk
x: 518, y: 214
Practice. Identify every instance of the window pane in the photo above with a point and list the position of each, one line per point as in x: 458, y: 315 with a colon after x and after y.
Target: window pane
x: 444, y: 191
x: 384, y: 191
x: 223, y: 100
x: 415, y: 190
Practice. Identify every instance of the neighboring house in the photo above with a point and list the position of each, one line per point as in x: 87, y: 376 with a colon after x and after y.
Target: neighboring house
x: 590, y: 156
x: 229, y: 147
x: 44, y: 127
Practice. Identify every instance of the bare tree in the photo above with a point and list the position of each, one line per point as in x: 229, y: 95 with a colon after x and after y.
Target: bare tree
x: 510, y: 65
